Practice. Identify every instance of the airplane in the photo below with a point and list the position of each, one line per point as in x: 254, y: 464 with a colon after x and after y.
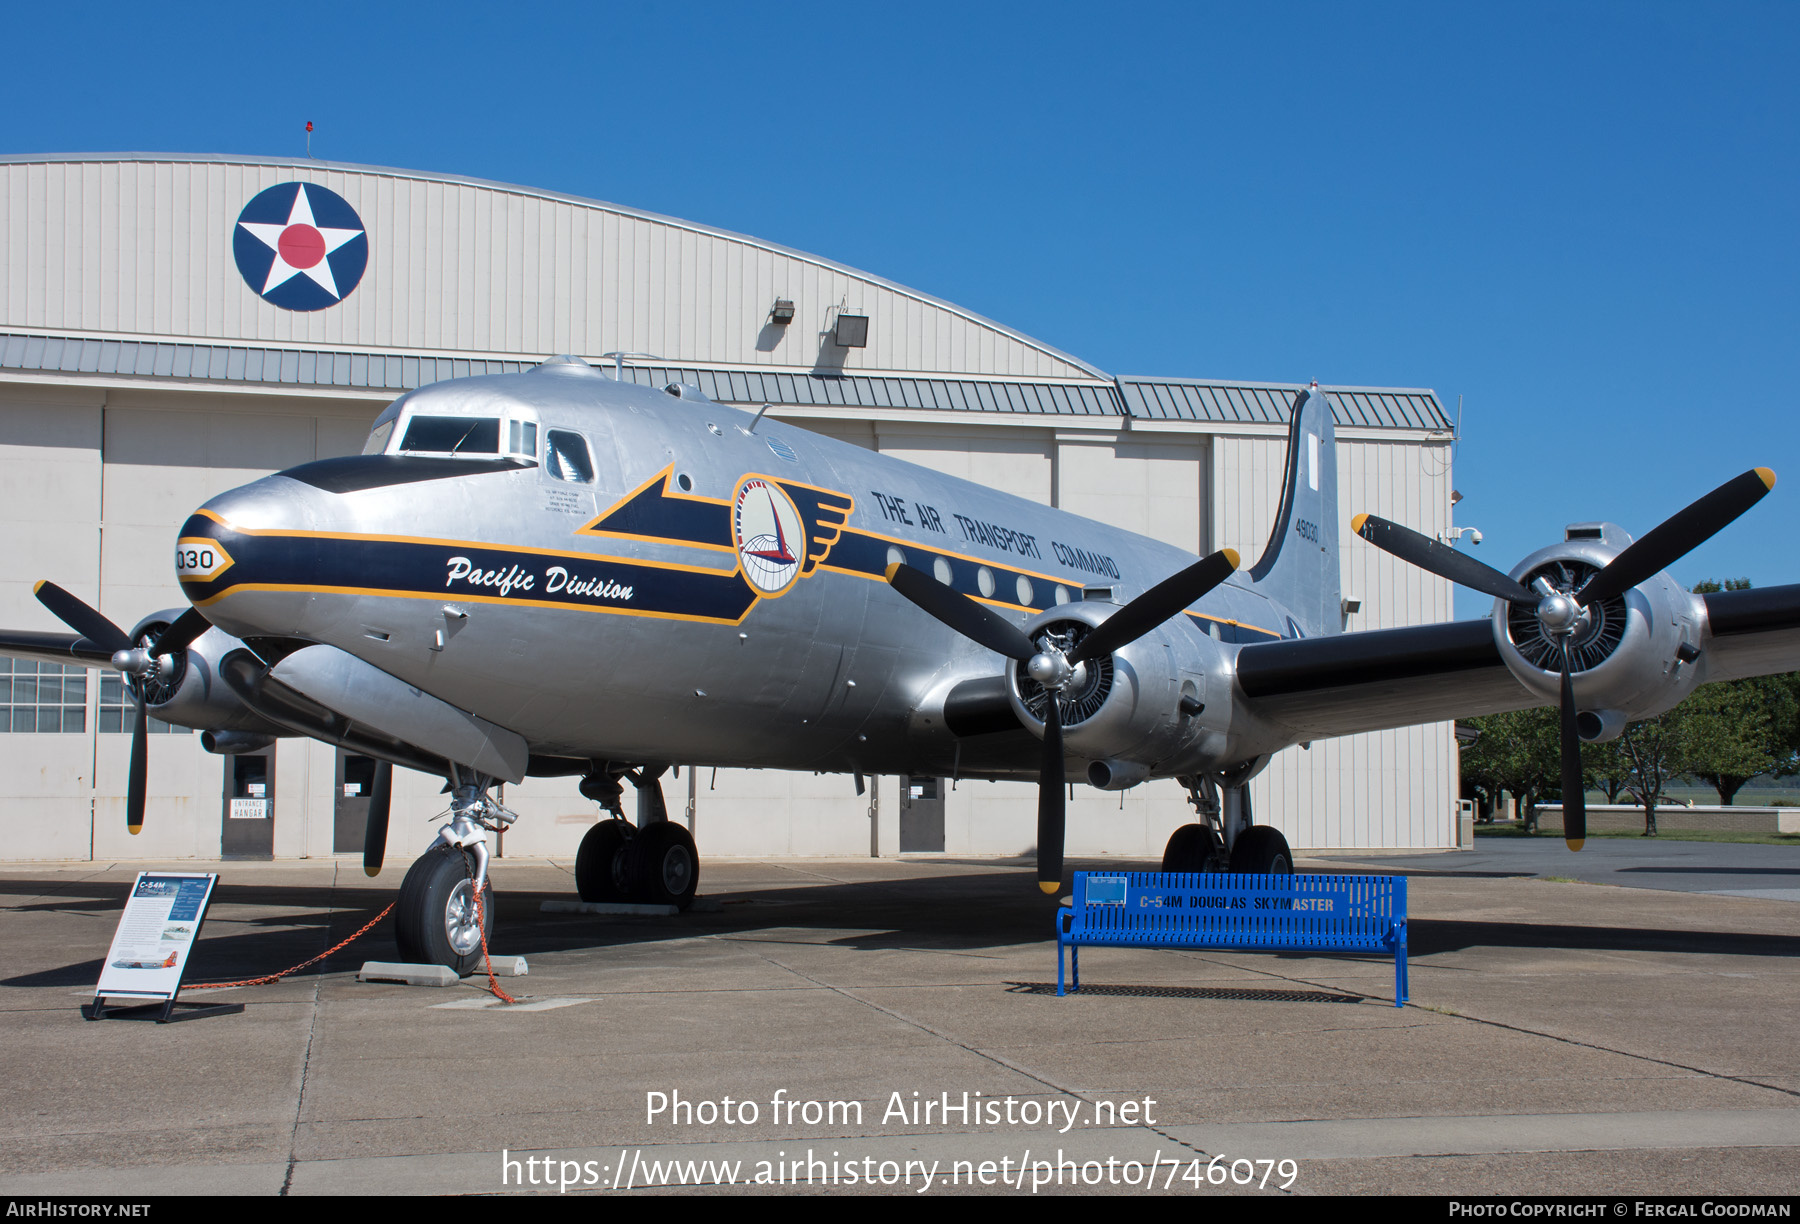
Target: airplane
x: 558, y: 573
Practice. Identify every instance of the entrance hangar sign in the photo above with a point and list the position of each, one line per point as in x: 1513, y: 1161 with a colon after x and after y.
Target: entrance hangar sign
x: 300, y: 246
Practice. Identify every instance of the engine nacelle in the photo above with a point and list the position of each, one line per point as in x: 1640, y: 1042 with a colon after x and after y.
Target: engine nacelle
x: 1631, y: 657
x: 186, y: 689
x: 1141, y: 709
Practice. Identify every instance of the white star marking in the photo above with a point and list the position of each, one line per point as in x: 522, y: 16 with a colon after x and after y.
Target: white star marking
x: 281, y: 271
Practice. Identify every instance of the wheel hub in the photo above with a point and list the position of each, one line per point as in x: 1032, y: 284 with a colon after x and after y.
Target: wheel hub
x: 676, y: 870
x: 461, y: 925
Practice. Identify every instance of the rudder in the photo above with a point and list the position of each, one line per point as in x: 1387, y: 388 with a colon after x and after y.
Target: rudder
x: 1298, y: 568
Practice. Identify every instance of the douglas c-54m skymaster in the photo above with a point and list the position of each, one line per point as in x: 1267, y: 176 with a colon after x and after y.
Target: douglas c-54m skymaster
x: 557, y: 573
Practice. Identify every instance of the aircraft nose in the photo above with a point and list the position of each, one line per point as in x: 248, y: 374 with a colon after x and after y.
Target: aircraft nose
x: 246, y: 557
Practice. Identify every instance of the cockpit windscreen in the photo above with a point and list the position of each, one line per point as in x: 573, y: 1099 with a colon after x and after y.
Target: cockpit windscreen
x: 453, y: 435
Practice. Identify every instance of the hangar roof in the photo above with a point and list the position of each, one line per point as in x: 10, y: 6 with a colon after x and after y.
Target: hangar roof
x: 1181, y: 399
x: 393, y: 373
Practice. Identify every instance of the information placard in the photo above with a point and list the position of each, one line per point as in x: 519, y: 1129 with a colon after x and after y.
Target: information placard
x: 156, y: 933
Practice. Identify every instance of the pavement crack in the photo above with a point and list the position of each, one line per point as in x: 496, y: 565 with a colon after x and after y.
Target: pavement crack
x: 312, y: 1029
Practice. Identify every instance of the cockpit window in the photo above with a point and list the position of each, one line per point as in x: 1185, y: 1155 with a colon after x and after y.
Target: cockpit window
x: 522, y: 438
x: 378, y: 438
x: 566, y: 457
x: 453, y: 435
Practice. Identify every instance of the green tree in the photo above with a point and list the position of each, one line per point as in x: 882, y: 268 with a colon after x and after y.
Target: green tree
x: 1738, y: 729
x: 1606, y: 767
x: 1657, y: 751
x: 1517, y: 752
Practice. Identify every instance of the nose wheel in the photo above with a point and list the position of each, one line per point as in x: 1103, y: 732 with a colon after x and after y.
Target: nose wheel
x: 435, y: 920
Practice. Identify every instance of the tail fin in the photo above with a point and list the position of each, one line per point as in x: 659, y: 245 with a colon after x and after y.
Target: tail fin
x: 1299, y: 568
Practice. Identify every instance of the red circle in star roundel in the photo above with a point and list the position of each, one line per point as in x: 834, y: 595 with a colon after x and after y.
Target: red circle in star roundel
x: 300, y: 246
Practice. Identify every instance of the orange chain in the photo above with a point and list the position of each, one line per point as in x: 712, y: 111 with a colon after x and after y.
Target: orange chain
x: 493, y: 982
x: 276, y: 977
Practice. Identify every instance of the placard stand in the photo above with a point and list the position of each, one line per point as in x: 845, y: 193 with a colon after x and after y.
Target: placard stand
x: 150, y: 949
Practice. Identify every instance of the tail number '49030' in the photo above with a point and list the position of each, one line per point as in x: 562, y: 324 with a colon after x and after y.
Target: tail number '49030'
x: 200, y: 560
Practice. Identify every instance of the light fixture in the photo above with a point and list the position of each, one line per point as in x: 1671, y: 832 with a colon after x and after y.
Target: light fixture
x: 852, y: 331
x: 782, y: 313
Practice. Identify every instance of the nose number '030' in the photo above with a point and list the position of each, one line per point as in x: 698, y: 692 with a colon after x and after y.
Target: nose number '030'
x: 200, y: 560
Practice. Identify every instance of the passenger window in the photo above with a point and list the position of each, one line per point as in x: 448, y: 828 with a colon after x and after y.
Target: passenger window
x: 566, y: 457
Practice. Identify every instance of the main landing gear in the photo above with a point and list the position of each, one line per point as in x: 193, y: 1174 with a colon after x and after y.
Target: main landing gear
x: 654, y: 863
x: 445, y: 914
x: 1224, y: 839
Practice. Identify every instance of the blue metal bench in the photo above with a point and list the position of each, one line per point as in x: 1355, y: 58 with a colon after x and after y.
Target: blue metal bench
x: 1260, y: 913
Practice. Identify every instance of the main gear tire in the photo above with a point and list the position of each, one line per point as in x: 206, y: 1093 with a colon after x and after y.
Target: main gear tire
x: 661, y: 865
x: 1262, y: 850
x: 600, y: 863
x: 1192, y: 847
x: 434, y: 920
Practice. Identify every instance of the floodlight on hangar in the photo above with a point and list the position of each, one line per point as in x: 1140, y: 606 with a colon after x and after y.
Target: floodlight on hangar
x: 852, y: 331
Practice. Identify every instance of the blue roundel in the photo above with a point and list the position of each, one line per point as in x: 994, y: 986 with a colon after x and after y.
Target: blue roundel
x: 300, y: 247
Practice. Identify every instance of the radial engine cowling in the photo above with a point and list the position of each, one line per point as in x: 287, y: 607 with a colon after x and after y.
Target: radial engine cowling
x: 1632, y: 656
x: 1144, y: 703
x: 185, y: 687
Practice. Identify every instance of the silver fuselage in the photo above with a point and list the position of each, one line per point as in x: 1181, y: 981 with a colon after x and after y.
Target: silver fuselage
x: 663, y: 611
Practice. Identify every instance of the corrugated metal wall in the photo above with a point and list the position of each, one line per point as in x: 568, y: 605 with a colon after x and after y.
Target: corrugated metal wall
x: 145, y: 247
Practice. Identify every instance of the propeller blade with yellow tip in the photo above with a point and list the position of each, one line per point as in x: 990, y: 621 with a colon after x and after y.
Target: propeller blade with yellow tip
x: 1167, y: 598
x: 1574, y: 789
x: 1678, y: 535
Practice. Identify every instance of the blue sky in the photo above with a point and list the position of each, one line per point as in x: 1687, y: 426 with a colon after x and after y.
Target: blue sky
x: 1580, y: 218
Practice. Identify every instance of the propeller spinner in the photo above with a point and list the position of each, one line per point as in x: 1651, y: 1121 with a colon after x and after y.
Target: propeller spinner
x: 1563, y: 614
x: 1057, y: 670
x: 141, y: 663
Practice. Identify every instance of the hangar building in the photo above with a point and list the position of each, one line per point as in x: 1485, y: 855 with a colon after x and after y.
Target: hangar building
x: 161, y: 341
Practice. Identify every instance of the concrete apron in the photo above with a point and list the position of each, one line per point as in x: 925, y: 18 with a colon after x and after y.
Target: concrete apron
x: 894, y: 1026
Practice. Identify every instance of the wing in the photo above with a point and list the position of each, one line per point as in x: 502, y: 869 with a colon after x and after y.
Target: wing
x: 1351, y: 682
x: 1754, y: 632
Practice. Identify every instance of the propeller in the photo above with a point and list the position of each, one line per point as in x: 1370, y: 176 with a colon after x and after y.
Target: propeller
x: 381, y: 794
x: 140, y: 664
x: 1055, y: 669
x: 1563, y: 613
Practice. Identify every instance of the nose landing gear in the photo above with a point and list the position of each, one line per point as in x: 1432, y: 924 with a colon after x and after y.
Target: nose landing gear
x: 446, y: 908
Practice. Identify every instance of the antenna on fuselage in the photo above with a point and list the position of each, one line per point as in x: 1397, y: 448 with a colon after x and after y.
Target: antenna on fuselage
x: 618, y: 360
